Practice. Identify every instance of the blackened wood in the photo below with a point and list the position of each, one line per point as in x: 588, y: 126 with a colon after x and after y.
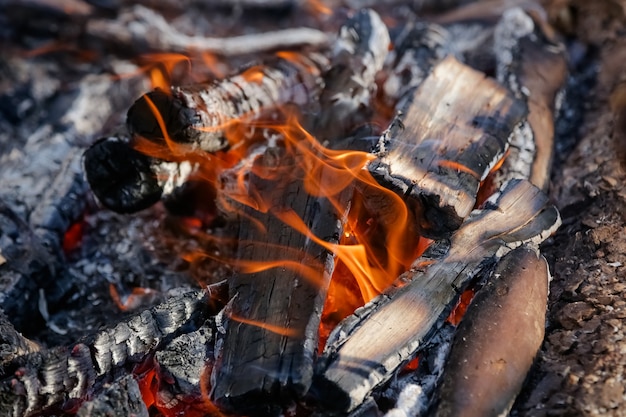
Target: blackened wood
x: 182, y: 364
x: 350, y: 84
x: 497, y: 340
x: 417, y: 49
x: 120, y: 398
x: 36, y: 382
x: 532, y: 63
x: 12, y: 342
x: 367, y: 348
x: 271, y: 331
x: 199, y: 116
x: 439, y: 149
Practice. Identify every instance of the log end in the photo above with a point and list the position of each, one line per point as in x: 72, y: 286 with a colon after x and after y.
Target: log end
x: 121, y: 178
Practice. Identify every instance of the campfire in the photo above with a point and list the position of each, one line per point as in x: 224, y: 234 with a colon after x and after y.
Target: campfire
x: 276, y: 207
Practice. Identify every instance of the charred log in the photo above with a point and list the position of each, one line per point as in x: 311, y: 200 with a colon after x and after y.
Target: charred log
x: 436, y: 153
x: 199, y: 116
x: 483, y: 375
x: 64, y: 376
x: 268, y: 346
x: 369, y: 346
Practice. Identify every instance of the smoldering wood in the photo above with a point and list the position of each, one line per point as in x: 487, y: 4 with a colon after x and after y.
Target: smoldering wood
x: 119, y: 398
x: 350, y: 84
x: 266, y: 354
x: 436, y: 152
x: 123, y: 179
x: 142, y: 29
x: 483, y: 375
x: 418, y: 48
x: 12, y: 343
x: 534, y: 66
x: 367, y: 347
x: 198, y: 116
x: 36, y: 382
x: 182, y: 363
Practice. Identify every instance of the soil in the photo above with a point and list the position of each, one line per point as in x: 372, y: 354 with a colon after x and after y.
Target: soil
x: 580, y: 368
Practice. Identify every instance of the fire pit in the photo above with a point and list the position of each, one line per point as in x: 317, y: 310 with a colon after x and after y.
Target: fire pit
x: 307, y: 209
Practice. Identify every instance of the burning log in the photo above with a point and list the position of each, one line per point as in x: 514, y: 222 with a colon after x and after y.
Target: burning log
x: 438, y: 151
x: 266, y: 354
x: 199, y: 116
x: 368, y: 347
x: 483, y: 375
x: 64, y: 376
x: 533, y: 65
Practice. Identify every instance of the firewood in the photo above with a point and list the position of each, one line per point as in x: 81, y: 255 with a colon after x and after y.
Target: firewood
x: 126, y: 181
x: 198, y: 116
x: 483, y: 375
x: 36, y: 382
x: 368, y: 347
x: 140, y: 28
x: 267, y: 349
x: 437, y: 152
x: 12, y: 343
x: 418, y: 48
x: 123, y: 179
x: 534, y: 66
x: 350, y: 84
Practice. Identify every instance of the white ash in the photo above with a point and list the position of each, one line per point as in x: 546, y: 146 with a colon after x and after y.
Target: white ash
x: 515, y: 24
x: 172, y: 175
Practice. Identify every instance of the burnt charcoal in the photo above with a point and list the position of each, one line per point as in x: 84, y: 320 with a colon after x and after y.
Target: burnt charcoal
x: 143, y: 121
x: 25, y: 266
x: 62, y: 376
x: 182, y: 364
x: 120, y: 398
x: 122, y: 178
x: 12, y: 343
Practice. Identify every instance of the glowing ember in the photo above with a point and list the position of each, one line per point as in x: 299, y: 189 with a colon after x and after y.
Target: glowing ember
x: 73, y: 237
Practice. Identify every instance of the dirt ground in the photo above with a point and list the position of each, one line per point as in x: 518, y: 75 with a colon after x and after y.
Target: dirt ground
x: 580, y: 370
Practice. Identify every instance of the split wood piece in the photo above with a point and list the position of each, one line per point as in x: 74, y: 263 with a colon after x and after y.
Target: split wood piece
x: 141, y: 29
x: 120, y: 398
x: 497, y: 340
x: 417, y: 49
x: 367, y: 348
x: 533, y: 64
x: 358, y: 55
x: 265, y: 357
x: 436, y: 153
x: 36, y: 382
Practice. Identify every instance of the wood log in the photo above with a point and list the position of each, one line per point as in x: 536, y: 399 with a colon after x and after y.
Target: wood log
x: 199, y: 117
x: 497, y: 340
x: 367, y: 348
x: 350, y: 84
x: 532, y: 63
x: 36, y: 382
x: 438, y: 151
x: 266, y: 353
x: 417, y: 49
